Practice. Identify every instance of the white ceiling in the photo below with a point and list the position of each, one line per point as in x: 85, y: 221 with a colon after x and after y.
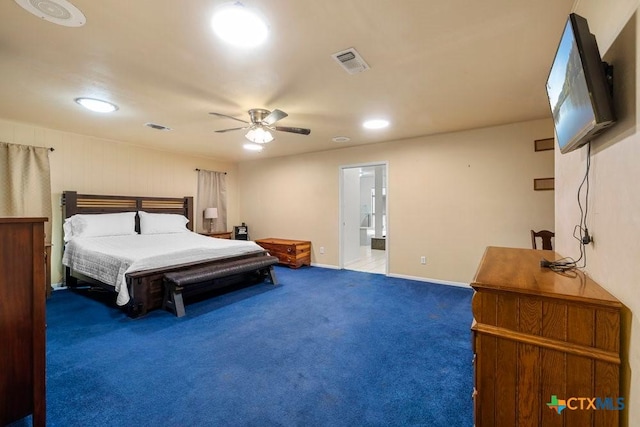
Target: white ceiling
x: 436, y: 66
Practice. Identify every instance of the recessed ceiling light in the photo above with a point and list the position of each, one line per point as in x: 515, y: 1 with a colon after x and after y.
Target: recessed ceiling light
x: 253, y: 147
x: 97, y: 105
x: 239, y: 26
x: 376, y: 124
x: 341, y: 139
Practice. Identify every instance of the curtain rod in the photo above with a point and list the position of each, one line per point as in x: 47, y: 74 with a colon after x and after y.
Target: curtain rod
x: 33, y: 146
x: 198, y: 170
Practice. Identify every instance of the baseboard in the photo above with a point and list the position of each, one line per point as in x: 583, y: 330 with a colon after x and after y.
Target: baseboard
x: 58, y: 286
x: 404, y: 276
x: 436, y: 281
x: 333, y: 267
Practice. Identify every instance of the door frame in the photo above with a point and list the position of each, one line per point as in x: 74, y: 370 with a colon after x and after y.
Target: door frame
x: 341, y: 169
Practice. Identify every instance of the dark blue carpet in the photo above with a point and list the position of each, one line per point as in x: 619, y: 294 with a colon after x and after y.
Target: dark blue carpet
x: 323, y: 348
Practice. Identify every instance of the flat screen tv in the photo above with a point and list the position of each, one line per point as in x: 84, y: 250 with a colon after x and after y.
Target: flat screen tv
x: 579, y: 87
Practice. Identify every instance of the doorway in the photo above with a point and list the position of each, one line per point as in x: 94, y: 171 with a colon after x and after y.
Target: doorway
x: 363, y: 218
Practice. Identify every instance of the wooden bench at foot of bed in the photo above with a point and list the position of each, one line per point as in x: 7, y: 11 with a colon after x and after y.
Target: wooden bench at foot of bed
x: 177, y: 281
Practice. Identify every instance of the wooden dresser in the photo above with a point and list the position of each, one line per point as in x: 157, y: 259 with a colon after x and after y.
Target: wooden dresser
x: 538, y: 334
x: 294, y: 253
x: 22, y: 320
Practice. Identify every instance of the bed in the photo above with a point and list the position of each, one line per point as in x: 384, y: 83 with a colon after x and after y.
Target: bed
x: 132, y: 263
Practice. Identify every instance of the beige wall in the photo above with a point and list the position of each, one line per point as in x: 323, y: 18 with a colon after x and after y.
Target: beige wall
x: 98, y: 166
x: 449, y: 197
x: 613, y: 260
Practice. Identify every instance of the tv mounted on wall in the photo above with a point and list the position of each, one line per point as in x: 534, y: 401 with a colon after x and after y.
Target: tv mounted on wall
x: 579, y: 87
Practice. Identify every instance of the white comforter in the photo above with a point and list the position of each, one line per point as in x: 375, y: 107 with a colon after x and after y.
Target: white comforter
x: 108, y: 259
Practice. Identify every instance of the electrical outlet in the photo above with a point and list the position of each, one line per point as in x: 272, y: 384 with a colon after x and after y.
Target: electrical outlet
x: 321, y: 250
x: 423, y: 260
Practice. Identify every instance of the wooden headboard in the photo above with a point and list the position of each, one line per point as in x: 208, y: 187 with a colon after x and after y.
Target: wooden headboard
x: 74, y: 203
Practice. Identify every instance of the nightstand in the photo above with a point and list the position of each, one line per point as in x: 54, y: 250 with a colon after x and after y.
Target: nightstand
x: 219, y: 234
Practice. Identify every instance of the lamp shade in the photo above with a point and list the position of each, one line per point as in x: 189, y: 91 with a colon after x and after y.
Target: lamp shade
x: 211, y: 213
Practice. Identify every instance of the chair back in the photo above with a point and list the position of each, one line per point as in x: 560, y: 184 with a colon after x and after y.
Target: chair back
x: 545, y: 236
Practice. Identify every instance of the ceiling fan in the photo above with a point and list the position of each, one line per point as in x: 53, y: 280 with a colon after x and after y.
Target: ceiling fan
x: 262, y: 122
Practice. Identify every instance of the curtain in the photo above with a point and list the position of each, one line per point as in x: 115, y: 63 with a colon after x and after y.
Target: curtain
x: 25, y: 182
x: 212, y: 193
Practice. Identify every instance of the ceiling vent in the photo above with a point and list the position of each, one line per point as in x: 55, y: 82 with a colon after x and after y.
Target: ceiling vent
x: 351, y: 61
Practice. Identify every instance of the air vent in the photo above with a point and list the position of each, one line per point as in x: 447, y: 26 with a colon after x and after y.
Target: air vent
x: 156, y: 127
x: 351, y: 61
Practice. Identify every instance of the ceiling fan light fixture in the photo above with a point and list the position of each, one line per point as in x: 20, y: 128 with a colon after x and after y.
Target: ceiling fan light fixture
x: 239, y: 25
x: 259, y: 135
x: 97, y: 105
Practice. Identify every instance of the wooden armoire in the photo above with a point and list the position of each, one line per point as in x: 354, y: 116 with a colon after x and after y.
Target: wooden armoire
x: 22, y: 320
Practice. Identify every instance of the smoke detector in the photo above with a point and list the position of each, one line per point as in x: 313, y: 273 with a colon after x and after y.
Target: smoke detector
x: 351, y: 61
x: 59, y: 12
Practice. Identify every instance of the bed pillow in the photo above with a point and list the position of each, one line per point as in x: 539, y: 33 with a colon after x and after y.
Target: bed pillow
x: 151, y: 223
x: 96, y: 225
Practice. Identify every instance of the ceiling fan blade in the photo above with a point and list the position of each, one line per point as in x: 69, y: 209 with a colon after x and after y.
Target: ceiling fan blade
x: 301, y: 131
x: 228, y: 130
x: 274, y: 116
x: 228, y: 117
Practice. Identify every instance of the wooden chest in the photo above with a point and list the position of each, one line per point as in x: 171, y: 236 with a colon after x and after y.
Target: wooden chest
x: 294, y: 253
x: 542, y: 341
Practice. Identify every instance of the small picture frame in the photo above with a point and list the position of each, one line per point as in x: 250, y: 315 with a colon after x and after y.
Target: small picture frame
x: 543, y: 184
x: 543, y: 144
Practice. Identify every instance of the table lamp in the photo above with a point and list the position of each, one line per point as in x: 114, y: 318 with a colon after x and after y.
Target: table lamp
x: 211, y: 214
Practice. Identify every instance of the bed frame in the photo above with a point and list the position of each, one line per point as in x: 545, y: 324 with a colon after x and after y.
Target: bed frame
x: 145, y: 287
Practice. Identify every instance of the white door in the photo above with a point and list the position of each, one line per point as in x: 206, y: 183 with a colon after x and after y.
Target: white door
x: 351, y: 214
x: 363, y: 217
